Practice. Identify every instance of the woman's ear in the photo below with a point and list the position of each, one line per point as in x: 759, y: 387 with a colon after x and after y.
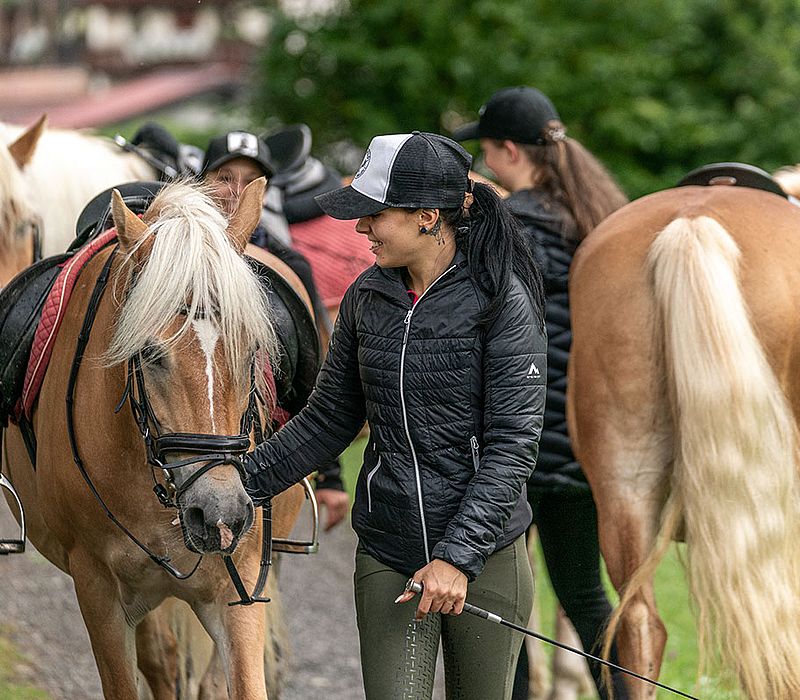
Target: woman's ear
x: 512, y: 150
x: 426, y: 218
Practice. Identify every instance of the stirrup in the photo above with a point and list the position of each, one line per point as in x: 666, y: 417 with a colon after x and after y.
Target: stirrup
x: 302, y: 546
x: 13, y: 546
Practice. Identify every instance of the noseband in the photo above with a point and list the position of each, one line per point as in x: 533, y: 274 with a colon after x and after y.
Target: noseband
x: 208, y: 449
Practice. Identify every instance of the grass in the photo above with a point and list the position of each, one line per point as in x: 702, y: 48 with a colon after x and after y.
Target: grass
x: 10, y: 660
x: 679, y: 668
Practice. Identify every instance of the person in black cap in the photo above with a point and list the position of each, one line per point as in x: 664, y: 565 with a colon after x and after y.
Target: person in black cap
x: 232, y: 161
x: 441, y: 346
x: 560, y: 192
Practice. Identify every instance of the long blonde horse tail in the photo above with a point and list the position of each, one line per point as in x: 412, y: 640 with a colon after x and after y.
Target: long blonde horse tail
x: 734, y: 485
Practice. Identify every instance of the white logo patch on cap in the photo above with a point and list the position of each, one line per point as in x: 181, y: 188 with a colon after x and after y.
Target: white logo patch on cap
x: 244, y: 143
x: 372, y: 178
x: 364, y: 164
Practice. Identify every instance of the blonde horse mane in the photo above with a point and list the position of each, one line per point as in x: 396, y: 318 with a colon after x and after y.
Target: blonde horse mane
x: 734, y: 485
x: 192, y: 268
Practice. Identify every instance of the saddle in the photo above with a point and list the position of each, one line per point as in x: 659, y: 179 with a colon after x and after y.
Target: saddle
x: 298, y: 342
x: 21, y: 304
x: 22, y: 301
x: 736, y: 174
x: 161, y: 150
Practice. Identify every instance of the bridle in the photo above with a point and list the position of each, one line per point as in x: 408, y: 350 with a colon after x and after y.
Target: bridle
x: 207, y: 449
x: 210, y: 450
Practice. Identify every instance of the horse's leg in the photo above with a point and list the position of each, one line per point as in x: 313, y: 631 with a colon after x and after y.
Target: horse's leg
x: 157, y: 654
x: 619, y: 424
x: 626, y: 522
x: 238, y: 633
x: 537, y: 662
x: 213, y: 685
x: 112, y: 637
x: 571, y: 679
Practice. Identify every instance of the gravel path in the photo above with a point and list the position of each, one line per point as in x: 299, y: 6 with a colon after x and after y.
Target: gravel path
x: 39, y: 615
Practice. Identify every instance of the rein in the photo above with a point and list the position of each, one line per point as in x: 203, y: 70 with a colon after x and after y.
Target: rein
x: 211, y: 450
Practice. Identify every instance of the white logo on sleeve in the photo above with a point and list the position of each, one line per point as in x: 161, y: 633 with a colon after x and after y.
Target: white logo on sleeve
x: 533, y: 370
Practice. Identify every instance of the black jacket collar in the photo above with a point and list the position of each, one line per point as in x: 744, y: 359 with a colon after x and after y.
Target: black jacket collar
x: 389, y: 280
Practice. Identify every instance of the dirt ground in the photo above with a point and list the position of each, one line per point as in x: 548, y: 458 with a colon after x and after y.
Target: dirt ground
x: 39, y: 615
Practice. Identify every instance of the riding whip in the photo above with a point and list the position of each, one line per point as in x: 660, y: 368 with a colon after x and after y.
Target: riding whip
x: 416, y: 587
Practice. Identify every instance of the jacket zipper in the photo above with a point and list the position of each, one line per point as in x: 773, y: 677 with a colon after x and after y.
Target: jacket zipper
x: 407, y: 323
x: 476, y: 460
x: 369, y: 481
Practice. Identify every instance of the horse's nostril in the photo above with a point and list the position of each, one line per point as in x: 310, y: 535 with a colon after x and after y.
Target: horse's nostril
x: 194, y: 520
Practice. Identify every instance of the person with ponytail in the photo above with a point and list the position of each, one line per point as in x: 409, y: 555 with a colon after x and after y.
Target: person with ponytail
x: 441, y: 346
x: 559, y: 193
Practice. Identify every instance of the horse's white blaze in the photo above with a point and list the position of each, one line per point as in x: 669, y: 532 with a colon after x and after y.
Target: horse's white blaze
x: 208, y: 335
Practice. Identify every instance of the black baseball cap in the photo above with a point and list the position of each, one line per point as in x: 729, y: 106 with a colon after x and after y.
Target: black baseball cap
x: 413, y: 170
x: 238, y: 144
x: 516, y: 113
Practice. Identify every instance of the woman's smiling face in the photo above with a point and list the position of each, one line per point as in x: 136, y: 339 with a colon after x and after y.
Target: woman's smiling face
x: 395, y: 237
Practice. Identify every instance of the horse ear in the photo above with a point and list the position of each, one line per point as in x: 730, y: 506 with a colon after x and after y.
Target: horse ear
x: 247, y: 214
x: 23, y: 148
x: 130, y: 228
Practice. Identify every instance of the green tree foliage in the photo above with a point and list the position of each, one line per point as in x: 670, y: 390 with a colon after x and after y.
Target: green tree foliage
x: 654, y: 88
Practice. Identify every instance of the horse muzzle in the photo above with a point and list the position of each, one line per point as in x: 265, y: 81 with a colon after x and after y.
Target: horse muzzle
x: 216, y: 527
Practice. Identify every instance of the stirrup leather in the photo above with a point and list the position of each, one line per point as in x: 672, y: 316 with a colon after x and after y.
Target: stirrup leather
x: 17, y: 546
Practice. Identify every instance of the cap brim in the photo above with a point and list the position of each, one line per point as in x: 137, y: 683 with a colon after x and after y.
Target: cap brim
x: 219, y: 162
x: 466, y: 132
x: 347, y: 203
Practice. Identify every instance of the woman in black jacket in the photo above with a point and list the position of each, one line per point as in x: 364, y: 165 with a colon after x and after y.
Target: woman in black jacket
x: 441, y: 346
x: 560, y: 192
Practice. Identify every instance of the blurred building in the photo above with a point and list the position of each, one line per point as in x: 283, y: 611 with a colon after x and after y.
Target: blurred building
x: 90, y: 62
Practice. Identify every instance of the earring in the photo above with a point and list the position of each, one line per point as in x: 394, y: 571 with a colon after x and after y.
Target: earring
x: 423, y: 229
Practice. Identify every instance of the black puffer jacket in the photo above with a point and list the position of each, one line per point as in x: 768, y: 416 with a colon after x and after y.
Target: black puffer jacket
x: 557, y: 471
x: 445, y: 469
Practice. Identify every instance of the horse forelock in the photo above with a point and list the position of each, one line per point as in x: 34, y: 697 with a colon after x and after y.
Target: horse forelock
x: 191, y: 269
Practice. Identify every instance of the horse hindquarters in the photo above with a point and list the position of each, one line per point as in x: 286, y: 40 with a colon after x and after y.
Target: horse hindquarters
x: 734, y: 483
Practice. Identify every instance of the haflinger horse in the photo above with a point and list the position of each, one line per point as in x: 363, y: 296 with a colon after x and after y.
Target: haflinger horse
x: 63, y: 169
x: 20, y: 225
x: 684, y: 398
x: 168, y: 375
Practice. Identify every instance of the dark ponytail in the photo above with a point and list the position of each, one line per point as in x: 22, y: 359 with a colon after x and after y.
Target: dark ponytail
x: 489, y: 236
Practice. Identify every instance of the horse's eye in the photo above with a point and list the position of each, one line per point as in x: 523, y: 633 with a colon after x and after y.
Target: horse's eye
x: 154, y: 355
